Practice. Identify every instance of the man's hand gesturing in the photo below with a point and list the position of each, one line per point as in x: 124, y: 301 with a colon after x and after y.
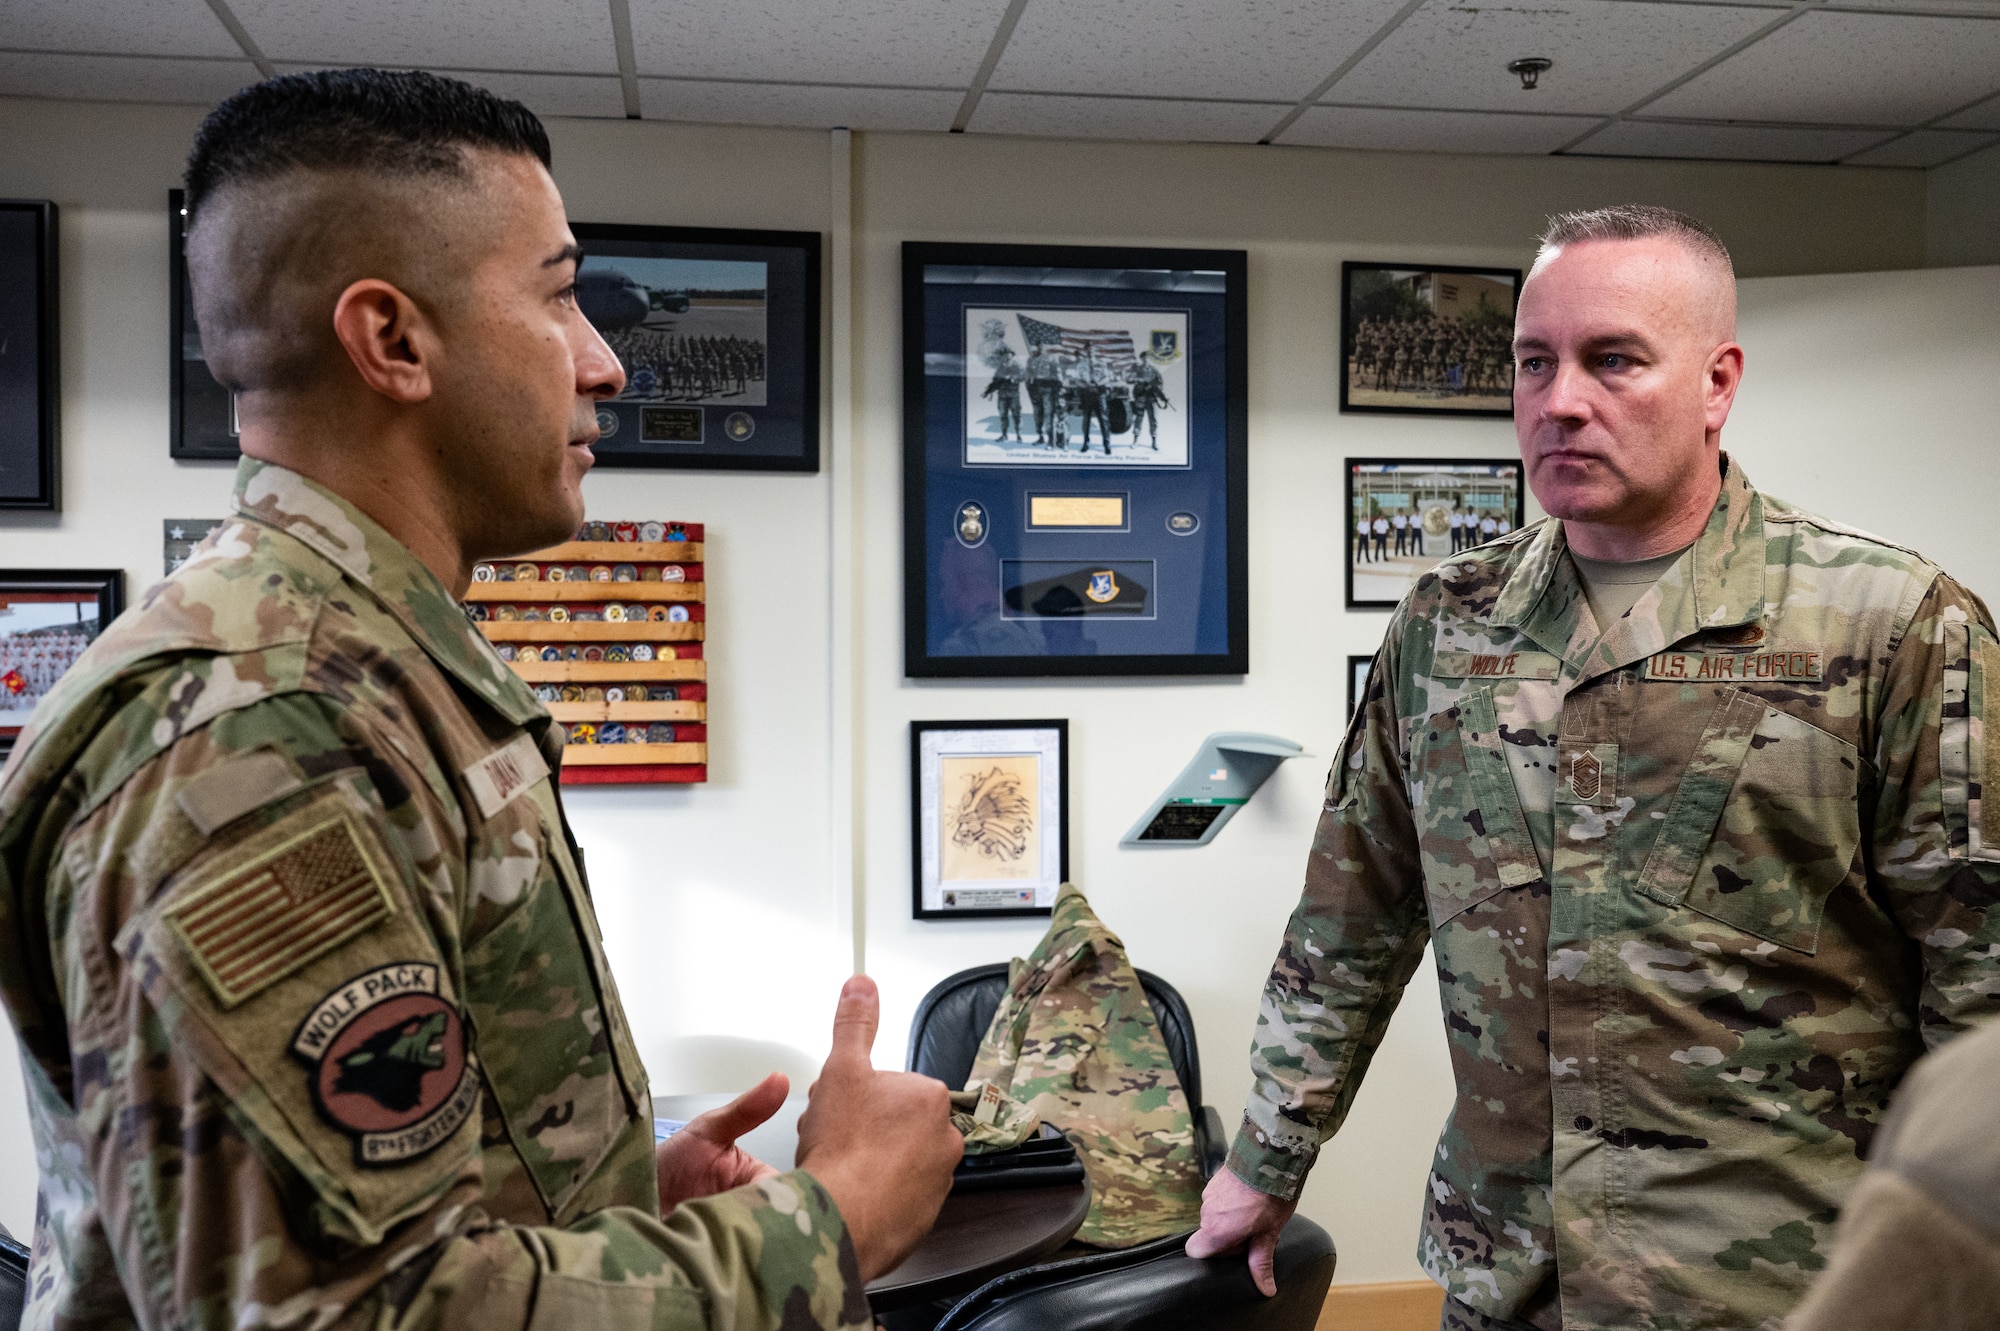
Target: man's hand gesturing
x: 881, y: 1143
x: 703, y: 1159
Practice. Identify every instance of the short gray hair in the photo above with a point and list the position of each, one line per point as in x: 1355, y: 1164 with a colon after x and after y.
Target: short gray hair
x: 1635, y: 221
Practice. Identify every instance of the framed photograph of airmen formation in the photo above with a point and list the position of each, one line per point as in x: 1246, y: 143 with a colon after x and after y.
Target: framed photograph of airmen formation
x: 1407, y: 515
x: 1430, y: 341
x: 47, y: 618
x: 991, y: 817
x: 201, y: 413
x: 719, y: 335
x: 1357, y: 680
x: 1074, y: 432
x: 30, y: 384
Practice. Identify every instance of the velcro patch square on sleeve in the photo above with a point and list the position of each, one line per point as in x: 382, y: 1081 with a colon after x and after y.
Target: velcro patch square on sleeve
x: 263, y: 918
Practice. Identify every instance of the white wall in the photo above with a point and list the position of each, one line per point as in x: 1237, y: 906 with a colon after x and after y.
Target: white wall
x: 730, y: 909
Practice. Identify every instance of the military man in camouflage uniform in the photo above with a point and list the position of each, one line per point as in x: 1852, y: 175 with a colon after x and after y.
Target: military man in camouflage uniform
x: 1705, y: 867
x: 317, y: 1023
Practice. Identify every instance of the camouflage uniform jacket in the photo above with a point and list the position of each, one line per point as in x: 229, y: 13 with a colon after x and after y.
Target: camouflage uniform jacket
x: 1700, y: 888
x: 316, y: 1020
x: 1076, y: 1042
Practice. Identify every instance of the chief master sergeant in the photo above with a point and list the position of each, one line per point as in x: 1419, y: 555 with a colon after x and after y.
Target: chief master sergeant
x: 318, y: 1028
x: 1683, y: 788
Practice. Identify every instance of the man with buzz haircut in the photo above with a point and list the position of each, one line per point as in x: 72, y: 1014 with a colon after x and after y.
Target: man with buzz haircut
x: 317, y: 1026
x: 1681, y: 785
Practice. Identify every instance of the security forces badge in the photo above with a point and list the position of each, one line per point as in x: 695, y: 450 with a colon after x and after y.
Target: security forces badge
x: 1166, y: 345
x: 388, y: 1061
x: 971, y: 524
x: 1103, y: 587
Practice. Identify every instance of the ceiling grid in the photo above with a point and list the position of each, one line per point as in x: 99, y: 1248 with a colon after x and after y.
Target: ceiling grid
x: 1904, y: 83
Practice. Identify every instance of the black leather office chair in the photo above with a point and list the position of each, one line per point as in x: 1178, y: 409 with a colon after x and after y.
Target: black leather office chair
x: 1155, y: 1285
x: 13, y: 1282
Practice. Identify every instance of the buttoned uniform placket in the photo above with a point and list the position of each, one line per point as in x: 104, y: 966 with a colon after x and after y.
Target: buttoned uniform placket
x: 1620, y: 753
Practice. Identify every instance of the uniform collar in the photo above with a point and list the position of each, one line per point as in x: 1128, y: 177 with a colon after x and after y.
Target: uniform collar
x: 355, y: 543
x: 1718, y: 583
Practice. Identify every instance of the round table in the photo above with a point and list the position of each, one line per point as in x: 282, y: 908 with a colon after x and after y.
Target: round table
x: 977, y: 1235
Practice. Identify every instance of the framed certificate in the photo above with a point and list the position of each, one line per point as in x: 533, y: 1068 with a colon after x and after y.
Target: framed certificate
x: 1074, y: 467
x: 990, y: 817
x: 719, y: 335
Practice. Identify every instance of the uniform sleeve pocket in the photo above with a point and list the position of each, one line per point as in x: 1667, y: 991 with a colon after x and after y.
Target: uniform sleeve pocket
x: 1470, y: 831
x: 1967, y: 763
x: 1764, y: 825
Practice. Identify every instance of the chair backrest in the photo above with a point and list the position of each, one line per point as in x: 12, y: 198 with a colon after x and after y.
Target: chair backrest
x: 13, y: 1281
x: 952, y: 1018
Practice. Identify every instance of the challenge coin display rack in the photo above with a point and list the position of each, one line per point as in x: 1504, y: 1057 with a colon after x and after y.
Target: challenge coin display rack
x: 608, y: 631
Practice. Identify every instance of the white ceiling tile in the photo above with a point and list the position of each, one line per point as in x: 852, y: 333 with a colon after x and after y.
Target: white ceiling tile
x: 558, y: 36
x: 1433, y: 131
x: 1986, y: 115
x: 544, y: 94
x: 117, y: 78
x: 928, y: 43
x: 1275, y: 50
x: 1924, y: 147
x: 1931, y: 6
x: 802, y: 107
x: 1125, y: 118
x: 1741, y: 143
x: 1875, y: 69
x: 136, y: 27
x: 1607, y: 54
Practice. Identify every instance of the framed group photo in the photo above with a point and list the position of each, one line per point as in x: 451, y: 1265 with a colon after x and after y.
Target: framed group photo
x: 1407, y: 515
x: 1074, y: 461
x: 47, y: 618
x: 990, y: 812
x: 718, y: 332
x: 30, y: 381
x: 1427, y: 341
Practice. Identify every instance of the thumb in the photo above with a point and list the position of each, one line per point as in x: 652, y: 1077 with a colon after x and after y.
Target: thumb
x: 855, y: 1020
x: 725, y: 1124
x: 1263, y: 1261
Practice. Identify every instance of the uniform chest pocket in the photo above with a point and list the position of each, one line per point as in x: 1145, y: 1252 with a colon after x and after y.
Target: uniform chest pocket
x: 551, y: 1038
x: 1764, y: 825
x: 1471, y: 835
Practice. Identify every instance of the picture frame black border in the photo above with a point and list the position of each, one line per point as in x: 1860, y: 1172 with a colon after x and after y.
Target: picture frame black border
x: 811, y: 244
x: 1354, y: 689
x: 917, y: 731
x: 1348, y: 268
x: 1347, y: 466
x: 107, y: 583
x: 177, y: 294
x: 48, y: 358
x: 1234, y: 264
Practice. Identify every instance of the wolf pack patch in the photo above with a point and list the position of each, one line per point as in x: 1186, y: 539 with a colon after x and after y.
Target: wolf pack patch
x: 388, y: 1063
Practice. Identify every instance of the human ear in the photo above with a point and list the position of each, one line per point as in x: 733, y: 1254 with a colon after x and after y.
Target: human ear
x: 387, y: 339
x: 1724, y: 375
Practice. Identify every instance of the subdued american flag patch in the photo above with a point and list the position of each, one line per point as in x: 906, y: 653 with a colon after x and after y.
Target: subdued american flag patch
x: 269, y: 915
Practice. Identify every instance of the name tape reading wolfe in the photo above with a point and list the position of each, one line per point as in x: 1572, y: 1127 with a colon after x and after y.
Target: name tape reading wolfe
x: 504, y: 773
x: 1495, y: 665
x: 1737, y: 667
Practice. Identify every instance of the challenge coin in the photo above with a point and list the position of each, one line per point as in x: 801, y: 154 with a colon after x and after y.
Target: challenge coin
x: 673, y: 573
x: 677, y: 614
x: 652, y: 531
x: 642, y: 651
x: 625, y: 531
x: 625, y: 573
x: 593, y: 653
x: 600, y: 572
x: 525, y: 572
x: 482, y: 572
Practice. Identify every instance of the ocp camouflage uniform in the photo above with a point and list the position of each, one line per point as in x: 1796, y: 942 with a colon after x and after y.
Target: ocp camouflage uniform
x: 1075, y: 1041
x: 317, y: 1022
x: 1700, y: 889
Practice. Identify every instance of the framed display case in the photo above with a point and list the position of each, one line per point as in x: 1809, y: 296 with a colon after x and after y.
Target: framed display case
x: 48, y: 616
x: 30, y: 373
x: 1113, y: 542
x: 719, y: 335
x: 608, y: 630
x: 990, y: 813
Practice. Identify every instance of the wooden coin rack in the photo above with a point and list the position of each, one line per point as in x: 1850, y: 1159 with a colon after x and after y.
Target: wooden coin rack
x: 608, y: 631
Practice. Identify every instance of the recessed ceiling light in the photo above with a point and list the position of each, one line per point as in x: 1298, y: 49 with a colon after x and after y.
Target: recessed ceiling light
x: 1530, y: 69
